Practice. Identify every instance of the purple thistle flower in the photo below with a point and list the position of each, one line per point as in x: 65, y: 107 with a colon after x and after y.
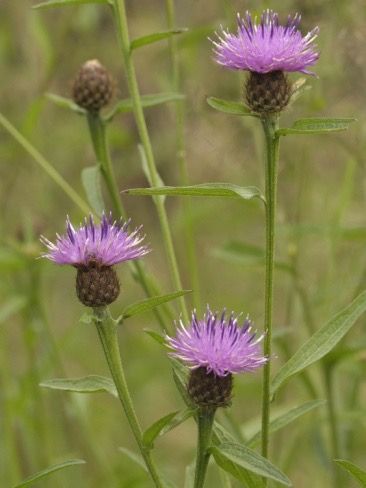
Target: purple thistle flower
x: 218, y: 344
x: 267, y: 46
x: 106, y: 244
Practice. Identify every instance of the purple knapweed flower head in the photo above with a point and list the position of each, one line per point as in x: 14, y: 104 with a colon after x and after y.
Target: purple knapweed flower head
x: 107, y: 243
x: 218, y: 344
x: 267, y: 46
x: 267, y: 50
x: 93, y: 249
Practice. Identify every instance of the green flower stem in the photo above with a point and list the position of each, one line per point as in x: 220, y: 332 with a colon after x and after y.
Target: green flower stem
x: 181, y: 156
x: 44, y: 164
x: 124, y: 41
x: 270, y: 125
x: 205, y: 419
x: 334, y: 437
x: 97, y: 128
x: 107, y: 331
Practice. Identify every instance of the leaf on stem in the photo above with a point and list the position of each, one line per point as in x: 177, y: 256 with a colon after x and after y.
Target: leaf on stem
x: 229, y: 107
x: 227, y: 190
x: 136, y: 458
x: 283, y: 420
x: 90, y: 178
x: 317, y: 126
x: 358, y: 473
x: 85, y: 384
x: 155, y: 37
x: 126, y: 105
x: 241, y: 456
x: 160, y: 339
x: 322, y: 342
x: 148, y: 304
x: 146, y: 170
x: 164, y: 425
x: 65, y: 103
x: 46, y: 472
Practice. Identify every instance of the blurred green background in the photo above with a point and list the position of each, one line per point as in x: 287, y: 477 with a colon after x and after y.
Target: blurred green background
x: 321, y: 234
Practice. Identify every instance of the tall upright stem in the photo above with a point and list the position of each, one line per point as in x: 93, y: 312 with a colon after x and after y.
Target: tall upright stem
x: 124, y: 41
x: 181, y: 155
x: 270, y: 125
x: 98, y: 135
x: 107, y: 331
x: 205, y: 420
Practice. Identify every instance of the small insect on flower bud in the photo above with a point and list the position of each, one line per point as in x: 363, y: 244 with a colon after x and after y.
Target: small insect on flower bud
x: 97, y: 285
x: 207, y: 389
x: 267, y: 92
x: 93, y: 86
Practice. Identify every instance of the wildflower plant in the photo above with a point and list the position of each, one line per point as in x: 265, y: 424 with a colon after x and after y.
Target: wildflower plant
x: 205, y: 352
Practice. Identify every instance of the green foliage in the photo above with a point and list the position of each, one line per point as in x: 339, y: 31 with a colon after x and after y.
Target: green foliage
x: 358, y: 473
x: 86, y: 384
x: 164, y: 425
x: 317, y: 126
x: 155, y: 37
x: 148, y: 304
x: 48, y: 471
x: 226, y: 190
x: 322, y: 342
x: 228, y: 107
x: 229, y: 452
x: 62, y: 3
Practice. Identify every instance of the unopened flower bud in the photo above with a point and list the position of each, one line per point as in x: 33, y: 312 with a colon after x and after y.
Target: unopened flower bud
x: 97, y: 285
x: 93, y: 86
x: 206, y: 389
x: 267, y: 92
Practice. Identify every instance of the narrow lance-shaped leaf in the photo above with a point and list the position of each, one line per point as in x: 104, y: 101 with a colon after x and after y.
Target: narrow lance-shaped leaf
x: 147, y: 172
x: 152, y: 100
x: 65, y: 103
x: 136, y: 458
x: 283, y: 420
x: 150, y: 303
x: 317, y: 126
x: 227, y: 190
x: 248, y: 459
x: 155, y: 37
x: 322, y: 341
x: 164, y: 425
x: 358, y: 473
x: 248, y: 479
x: 91, y: 181
x: 229, y: 107
x: 85, y: 384
x: 48, y: 471
x: 63, y: 3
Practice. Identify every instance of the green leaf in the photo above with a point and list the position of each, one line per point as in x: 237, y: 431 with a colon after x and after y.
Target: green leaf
x: 322, y: 341
x: 286, y: 418
x: 358, y: 473
x: 157, y: 36
x: 51, y: 469
x: 152, y: 100
x: 248, y: 459
x: 149, y: 304
x: 248, y: 479
x: 90, y: 178
x: 11, y: 307
x: 180, y: 376
x: 247, y: 254
x: 233, y: 108
x: 136, y: 458
x: 317, y: 126
x: 65, y: 103
x: 156, y: 336
x: 227, y: 190
x: 86, y: 384
x: 164, y: 425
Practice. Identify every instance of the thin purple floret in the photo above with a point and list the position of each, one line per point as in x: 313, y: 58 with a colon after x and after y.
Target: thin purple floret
x: 267, y: 46
x: 218, y: 343
x: 107, y: 243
